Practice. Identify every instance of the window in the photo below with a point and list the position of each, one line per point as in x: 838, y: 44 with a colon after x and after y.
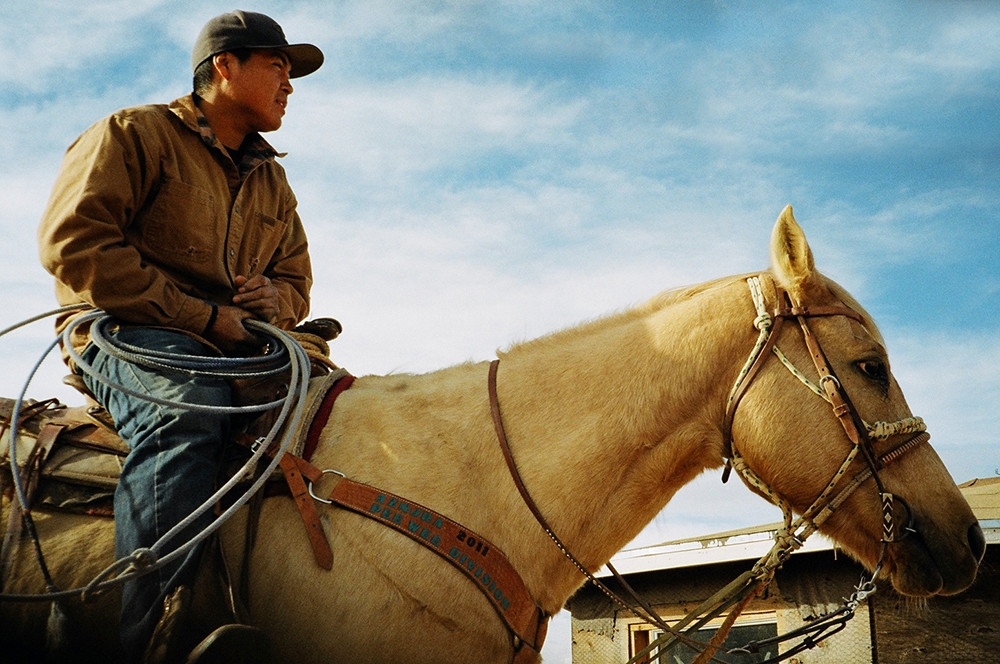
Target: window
x: 751, y: 628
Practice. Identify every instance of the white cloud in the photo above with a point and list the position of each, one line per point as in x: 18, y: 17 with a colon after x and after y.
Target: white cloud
x: 50, y: 41
x: 950, y: 380
x: 963, y: 47
x: 413, y: 127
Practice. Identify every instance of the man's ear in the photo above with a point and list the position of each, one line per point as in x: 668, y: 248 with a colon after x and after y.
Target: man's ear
x: 222, y: 65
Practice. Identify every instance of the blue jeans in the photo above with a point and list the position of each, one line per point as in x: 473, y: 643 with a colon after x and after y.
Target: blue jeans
x: 171, y: 469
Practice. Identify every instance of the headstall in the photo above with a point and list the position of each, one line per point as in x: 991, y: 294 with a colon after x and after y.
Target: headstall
x: 830, y: 388
x: 738, y: 593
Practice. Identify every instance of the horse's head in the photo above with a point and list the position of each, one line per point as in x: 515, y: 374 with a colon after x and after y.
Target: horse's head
x: 800, y: 448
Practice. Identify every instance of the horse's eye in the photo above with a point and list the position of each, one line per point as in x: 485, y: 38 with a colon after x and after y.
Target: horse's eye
x: 874, y: 369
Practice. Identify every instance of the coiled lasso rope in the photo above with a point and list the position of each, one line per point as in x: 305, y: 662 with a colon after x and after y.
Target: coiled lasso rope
x: 288, y: 356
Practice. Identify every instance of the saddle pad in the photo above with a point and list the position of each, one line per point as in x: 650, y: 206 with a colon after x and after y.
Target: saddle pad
x: 74, y: 465
x: 87, y: 467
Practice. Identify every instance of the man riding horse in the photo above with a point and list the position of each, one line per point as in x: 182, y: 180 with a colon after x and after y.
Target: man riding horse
x: 177, y: 220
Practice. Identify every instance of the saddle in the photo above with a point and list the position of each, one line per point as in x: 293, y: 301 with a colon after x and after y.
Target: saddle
x: 68, y: 458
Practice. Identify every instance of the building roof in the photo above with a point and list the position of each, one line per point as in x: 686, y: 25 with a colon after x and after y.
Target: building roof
x: 752, y: 543
x: 984, y: 498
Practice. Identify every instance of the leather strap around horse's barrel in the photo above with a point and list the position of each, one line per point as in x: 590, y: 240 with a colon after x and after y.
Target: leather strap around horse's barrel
x: 296, y: 471
x: 476, y: 557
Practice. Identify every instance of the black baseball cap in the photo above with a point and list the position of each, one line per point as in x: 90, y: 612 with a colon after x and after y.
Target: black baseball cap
x: 240, y: 29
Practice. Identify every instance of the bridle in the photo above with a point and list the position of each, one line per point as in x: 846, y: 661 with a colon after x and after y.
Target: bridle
x: 859, y: 433
x: 792, y: 535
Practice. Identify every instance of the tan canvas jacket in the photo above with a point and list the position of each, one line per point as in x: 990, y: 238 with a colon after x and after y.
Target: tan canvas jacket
x: 151, y: 221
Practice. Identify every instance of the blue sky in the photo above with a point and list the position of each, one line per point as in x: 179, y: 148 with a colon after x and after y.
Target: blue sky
x: 476, y: 173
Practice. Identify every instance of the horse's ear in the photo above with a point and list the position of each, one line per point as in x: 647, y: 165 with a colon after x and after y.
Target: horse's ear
x: 791, y: 257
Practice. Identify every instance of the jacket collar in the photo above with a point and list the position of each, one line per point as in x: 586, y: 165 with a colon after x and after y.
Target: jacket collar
x: 187, y: 110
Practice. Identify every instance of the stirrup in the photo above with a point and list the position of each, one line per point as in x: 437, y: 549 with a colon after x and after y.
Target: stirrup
x: 164, y: 645
x: 232, y: 644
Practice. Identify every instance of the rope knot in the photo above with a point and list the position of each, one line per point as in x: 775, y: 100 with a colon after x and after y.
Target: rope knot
x: 788, y: 541
x: 763, y: 322
x: 143, y: 558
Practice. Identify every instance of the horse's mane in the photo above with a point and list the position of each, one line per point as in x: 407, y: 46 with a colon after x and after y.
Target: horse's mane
x: 662, y: 301
x: 621, y: 318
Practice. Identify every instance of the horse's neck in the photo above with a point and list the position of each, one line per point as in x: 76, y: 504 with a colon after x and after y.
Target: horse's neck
x: 608, y: 425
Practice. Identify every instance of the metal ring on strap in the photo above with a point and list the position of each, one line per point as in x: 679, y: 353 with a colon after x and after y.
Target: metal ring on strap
x: 328, y: 471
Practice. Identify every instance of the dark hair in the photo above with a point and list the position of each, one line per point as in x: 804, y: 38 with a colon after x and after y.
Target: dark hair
x: 203, y: 73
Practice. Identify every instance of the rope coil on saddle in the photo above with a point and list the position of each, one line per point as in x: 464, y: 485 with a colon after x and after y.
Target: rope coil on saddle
x: 288, y: 356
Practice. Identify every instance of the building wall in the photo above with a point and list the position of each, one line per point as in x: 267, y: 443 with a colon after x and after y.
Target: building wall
x: 809, y: 585
x: 943, y: 630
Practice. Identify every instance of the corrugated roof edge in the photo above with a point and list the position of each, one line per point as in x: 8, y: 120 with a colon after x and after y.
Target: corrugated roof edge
x: 753, y: 542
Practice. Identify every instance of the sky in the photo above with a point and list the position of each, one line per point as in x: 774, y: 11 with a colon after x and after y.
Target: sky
x: 473, y: 174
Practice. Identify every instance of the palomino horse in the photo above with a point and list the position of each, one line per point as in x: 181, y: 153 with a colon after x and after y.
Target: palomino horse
x: 605, y: 422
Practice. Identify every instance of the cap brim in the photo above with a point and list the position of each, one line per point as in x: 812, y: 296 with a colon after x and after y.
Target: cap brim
x: 304, y: 58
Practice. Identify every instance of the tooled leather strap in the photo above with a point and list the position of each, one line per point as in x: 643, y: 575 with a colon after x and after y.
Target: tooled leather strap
x: 843, y: 409
x: 476, y: 557
x: 295, y: 468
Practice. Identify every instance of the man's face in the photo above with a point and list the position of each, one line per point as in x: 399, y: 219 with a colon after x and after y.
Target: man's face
x: 259, y: 88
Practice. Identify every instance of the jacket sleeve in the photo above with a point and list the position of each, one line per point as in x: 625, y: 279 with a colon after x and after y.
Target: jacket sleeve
x: 105, y: 177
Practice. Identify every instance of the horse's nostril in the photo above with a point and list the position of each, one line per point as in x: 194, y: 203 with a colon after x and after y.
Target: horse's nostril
x: 977, y: 542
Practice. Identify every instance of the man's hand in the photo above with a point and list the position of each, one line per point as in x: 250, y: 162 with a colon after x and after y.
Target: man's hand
x: 258, y: 296
x: 229, y: 333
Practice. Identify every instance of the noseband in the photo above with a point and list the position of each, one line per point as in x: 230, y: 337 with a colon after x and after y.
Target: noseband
x: 860, y: 433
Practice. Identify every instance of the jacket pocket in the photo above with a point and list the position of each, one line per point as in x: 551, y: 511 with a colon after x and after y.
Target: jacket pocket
x: 181, y: 227
x: 262, y: 241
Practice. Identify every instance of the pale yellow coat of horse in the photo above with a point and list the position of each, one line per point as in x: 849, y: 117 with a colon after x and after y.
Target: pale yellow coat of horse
x: 606, y: 422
